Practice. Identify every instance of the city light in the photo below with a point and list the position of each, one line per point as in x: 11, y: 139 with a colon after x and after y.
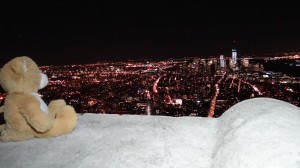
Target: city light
x: 177, y: 87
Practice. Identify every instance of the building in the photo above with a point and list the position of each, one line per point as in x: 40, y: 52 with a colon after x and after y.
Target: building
x: 234, y: 57
x: 222, y: 62
x: 245, y: 62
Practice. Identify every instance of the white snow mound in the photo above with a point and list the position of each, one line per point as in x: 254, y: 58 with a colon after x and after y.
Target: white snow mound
x: 260, y: 132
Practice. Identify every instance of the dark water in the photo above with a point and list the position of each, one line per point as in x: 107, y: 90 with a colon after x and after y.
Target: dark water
x: 289, y: 67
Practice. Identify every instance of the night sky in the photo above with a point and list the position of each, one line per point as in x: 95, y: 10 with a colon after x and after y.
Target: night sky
x: 85, y: 32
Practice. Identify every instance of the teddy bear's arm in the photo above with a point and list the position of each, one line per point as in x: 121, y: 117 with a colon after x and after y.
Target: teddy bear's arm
x: 1, y: 109
x: 34, y: 115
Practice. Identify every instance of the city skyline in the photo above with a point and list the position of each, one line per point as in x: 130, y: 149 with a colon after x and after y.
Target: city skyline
x: 177, y: 87
x: 68, y: 33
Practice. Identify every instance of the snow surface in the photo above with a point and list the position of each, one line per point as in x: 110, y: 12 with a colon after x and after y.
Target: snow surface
x: 259, y: 132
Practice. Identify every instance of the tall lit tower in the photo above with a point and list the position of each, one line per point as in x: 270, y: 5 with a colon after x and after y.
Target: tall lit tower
x: 222, y: 61
x: 234, y: 55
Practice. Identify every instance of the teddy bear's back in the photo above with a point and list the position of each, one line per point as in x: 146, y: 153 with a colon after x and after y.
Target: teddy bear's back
x: 13, y: 114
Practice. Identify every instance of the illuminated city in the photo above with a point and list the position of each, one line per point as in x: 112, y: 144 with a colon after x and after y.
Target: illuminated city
x: 155, y: 57
x: 155, y: 84
x: 173, y: 87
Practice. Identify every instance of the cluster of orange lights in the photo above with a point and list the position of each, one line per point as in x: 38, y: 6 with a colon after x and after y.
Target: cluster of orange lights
x: 213, y: 102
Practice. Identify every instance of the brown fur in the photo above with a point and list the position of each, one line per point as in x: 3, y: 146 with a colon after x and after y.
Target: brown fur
x: 24, y: 118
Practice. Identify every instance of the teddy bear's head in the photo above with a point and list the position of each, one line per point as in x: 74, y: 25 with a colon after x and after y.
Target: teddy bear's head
x: 22, y: 75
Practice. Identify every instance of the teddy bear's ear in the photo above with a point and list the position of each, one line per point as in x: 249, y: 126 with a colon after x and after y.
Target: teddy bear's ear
x: 19, y: 66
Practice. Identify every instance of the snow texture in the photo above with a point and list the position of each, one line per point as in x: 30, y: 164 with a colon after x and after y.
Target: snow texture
x: 260, y: 132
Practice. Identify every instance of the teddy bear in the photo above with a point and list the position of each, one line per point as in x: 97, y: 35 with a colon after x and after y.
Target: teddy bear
x: 26, y: 115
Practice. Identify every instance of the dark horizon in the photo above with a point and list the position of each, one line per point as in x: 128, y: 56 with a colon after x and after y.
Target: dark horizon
x: 73, y: 33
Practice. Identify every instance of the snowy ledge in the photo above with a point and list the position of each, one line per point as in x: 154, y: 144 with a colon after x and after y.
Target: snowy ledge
x: 259, y: 132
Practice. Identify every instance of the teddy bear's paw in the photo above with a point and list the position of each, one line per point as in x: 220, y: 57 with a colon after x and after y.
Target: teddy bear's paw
x: 55, y: 106
x: 68, y: 117
x: 66, y: 112
x: 64, y: 123
x: 57, y: 103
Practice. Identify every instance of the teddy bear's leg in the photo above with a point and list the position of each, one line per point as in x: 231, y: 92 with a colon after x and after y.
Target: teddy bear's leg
x: 12, y: 135
x: 64, y: 123
x: 55, y: 107
x: 35, y: 117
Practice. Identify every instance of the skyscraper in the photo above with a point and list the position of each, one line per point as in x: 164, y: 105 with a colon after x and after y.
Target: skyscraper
x: 222, y: 61
x: 234, y: 54
x: 234, y: 57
